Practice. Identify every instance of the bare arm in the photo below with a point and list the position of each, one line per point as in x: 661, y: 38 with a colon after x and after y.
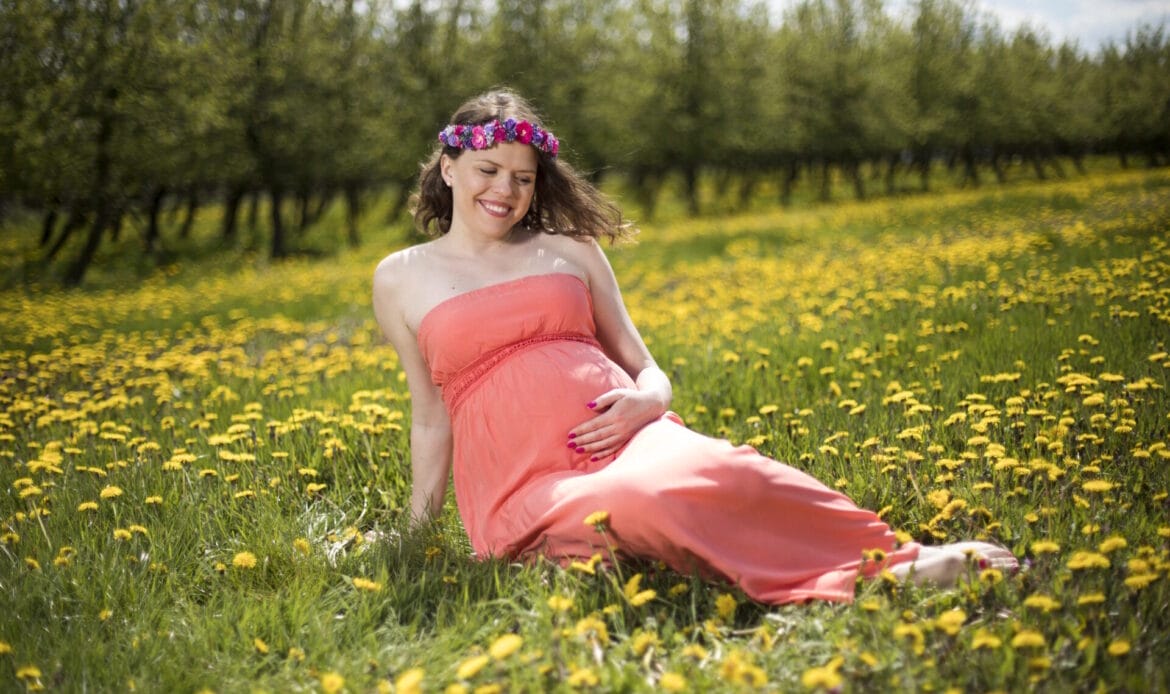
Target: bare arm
x: 621, y: 412
x: 430, y: 426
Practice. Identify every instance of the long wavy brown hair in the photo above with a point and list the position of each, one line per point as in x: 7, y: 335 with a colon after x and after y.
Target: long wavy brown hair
x: 564, y: 202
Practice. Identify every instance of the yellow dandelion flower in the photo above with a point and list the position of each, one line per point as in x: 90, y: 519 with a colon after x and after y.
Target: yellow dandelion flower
x: 1041, y: 602
x: 560, y: 603
x: 643, y: 641
x: 694, y: 650
x: 244, y: 560
x: 297, y: 654
x: 985, y: 639
x: 672, y: 682
x: 991, y: 576
x: 301, y: 545
x: 826, y: 678
x: 1118, y: 648
x: 584, y: 677
x: 1090, y: 599
x: 505, y: 646
x: 332, y: 683
x: 1045, y: 547
x: 28, y: 672
x: 592, y: 627
x: 410, y: 682
x: 366, y: 585
x: 122, y: 534
x: 261, y: 647
x: 951, y: 621
x: 87, y: 506
x: 32, y: 564
x: 679, y: 589
x: 1097, y: 486
x: 110, y: 492
x: 1111, y: 544
x: 1088, y: 560
x: 314, y: 487
x: 1139, y: 581
x: 105, y: 614
x: 153, y: 500
x: 725, y: 606
x: 597, y: 518
x: 1028, y: 638
x: 870, y: 604
x: 5, y: 648
x: 470, y: 668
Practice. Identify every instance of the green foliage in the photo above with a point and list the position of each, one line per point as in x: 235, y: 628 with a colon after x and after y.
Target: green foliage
x: 112, y: 111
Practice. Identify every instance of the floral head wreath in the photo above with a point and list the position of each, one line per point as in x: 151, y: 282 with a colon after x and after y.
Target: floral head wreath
x: 493, y: 132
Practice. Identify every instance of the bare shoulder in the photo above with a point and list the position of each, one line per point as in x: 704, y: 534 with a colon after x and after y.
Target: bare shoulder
x: 583, y: 253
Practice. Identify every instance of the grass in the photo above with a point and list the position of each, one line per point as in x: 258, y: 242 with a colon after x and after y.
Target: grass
x: 189, y: 464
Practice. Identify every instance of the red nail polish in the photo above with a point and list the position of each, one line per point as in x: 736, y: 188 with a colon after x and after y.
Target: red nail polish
x: 591, y: 405
x: 983, y: 563
x: 593, y: 459
x: 572, y: 436
x: 580, y: 449
x: 572, y: 445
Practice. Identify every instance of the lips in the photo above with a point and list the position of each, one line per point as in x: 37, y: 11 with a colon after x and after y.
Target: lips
x: 495, y: 209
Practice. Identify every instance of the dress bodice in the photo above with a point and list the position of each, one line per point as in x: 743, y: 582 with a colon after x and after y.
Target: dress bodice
x: 470, y: 331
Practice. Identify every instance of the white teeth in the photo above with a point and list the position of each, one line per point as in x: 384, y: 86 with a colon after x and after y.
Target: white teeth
x: 496, y: 209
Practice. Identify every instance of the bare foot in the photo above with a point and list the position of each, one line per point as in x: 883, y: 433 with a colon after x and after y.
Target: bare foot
x: 943, y: 565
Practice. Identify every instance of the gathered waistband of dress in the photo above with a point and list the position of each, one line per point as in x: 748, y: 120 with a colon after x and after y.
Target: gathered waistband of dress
x: 455, y: 390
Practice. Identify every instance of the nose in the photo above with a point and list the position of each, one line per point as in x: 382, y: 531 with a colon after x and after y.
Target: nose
x: 503, y: 185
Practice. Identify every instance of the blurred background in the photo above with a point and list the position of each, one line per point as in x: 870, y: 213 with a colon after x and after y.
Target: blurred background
x: 125, y: 124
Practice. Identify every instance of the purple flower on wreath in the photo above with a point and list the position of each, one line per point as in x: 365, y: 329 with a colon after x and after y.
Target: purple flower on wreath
x: 510, y: 129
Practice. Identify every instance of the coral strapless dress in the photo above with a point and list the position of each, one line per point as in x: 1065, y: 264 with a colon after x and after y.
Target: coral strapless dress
x: 518, y: 361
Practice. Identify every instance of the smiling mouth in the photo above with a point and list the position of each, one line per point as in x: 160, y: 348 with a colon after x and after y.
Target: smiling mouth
x: 495, y: 209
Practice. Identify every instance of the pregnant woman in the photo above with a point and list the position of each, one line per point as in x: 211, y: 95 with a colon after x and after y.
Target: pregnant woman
x: 529, y: 381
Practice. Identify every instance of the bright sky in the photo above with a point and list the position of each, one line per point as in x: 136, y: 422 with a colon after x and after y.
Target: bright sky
x: 1089, y: 22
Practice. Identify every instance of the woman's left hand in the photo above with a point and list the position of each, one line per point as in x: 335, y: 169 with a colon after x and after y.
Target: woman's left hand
x: 621, y: 412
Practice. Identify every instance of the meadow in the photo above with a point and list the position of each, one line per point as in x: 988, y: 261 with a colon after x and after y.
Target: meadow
x: 204, y: 473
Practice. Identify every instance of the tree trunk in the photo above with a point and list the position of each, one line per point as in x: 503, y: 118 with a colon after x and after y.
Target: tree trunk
x: 788, y: 182
x: 747, y: 188
x: 826, y: 181
x: 854, y: 169
x: 1000, y: 174
x: 924, y: 157
x: 353, y: 211
x: 891, y: 174
x: 231, y: 208
x: 72, y: 224
x: 691, y: 184
x: 48, y: 226
x: 76, y: 272
x: 189, y: 218
x: 303, y: 215
x: 254, y: 213
x: 400, y: 200
x: 151, y: 239
x: 279, y: 250
x: 1038, y: 166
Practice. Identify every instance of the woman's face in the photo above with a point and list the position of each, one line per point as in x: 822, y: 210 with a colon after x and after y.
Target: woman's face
x: 491, y: 188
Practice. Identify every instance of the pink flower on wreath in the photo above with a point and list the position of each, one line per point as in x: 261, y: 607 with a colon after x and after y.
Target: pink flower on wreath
x: 499, y: 134
x: 478, y: 138
x: 524, y: 132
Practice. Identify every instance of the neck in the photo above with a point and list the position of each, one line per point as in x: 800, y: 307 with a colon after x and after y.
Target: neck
x: 463, y: 241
